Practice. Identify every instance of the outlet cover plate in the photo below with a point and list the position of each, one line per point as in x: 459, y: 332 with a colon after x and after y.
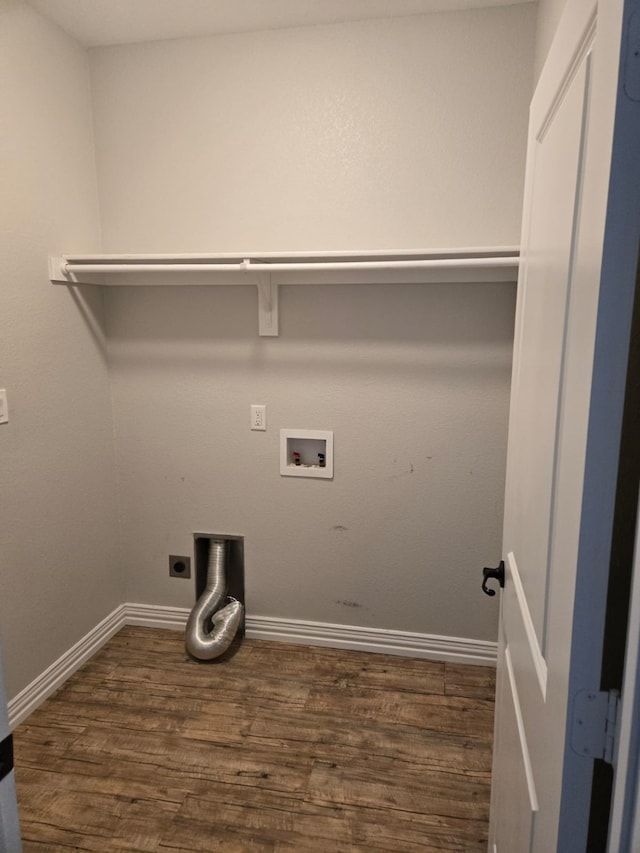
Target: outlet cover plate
x: 179, y: 567
x: 258, y: 417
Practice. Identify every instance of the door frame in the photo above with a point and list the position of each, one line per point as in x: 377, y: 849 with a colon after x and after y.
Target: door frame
x: 621, y: 202
x: 624, y: 829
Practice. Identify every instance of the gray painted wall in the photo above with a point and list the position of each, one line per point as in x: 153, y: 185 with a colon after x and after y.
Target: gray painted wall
x: 369, y: 135
x: 385, y: 135
x: 414, y: 383
x: 59, y: 565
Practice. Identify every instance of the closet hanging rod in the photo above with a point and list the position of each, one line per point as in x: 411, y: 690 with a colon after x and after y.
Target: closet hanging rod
x: 247, y: 265
x: 268, y: 270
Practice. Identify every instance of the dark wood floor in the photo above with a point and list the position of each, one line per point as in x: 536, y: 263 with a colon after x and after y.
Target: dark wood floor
x: 275, y: 748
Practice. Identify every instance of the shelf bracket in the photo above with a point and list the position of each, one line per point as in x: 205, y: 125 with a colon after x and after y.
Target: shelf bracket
x: 56, y: 271
x: 267, y: 305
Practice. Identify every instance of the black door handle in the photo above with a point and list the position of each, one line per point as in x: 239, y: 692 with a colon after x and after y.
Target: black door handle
x: 6, y: 756
x: 497, y: 574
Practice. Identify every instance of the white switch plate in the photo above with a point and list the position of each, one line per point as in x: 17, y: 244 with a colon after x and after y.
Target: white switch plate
x: 4, y: 407
x: 258, y: 417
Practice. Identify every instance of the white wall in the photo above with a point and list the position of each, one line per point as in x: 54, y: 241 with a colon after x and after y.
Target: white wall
x: 405, y: 133
x: 397, y: 133
x: 58, y: 560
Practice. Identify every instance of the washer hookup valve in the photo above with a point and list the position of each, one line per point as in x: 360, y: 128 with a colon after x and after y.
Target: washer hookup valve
x: 296, y: 457
x: 321, y: 460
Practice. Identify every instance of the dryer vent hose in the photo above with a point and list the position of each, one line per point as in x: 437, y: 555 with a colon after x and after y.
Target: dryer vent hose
x: 211, y: 628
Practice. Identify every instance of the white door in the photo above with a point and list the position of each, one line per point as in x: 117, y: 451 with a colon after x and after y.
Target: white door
x: 575, y: 291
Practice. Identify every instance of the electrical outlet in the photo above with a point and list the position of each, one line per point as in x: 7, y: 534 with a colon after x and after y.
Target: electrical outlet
x: 179, y: 567
x: 258, y: 417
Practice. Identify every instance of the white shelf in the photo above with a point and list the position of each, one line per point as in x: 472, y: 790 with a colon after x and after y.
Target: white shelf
x: 268, y: 270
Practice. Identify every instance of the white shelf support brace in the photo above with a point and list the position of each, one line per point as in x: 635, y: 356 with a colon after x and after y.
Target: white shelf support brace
x: 267, y: 305
x: 56, y: 272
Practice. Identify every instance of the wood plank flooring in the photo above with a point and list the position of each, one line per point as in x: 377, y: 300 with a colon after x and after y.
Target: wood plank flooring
x: 273, y: 748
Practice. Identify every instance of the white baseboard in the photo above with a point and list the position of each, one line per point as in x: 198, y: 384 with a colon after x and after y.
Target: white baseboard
x: 404, y: 643
x: 377, y: 640
x: 156, y: 616
x: 60, y: 670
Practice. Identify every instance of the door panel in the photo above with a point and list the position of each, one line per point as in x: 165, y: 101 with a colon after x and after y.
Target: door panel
x: 535, y: 441
x: 580, y: 234
x: 524, y: 674
x: 557, y: 323
x: 516, y: 784
x: 545, y: 289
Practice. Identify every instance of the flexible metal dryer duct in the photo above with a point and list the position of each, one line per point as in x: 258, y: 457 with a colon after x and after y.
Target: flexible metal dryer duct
x: 210, y: 631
